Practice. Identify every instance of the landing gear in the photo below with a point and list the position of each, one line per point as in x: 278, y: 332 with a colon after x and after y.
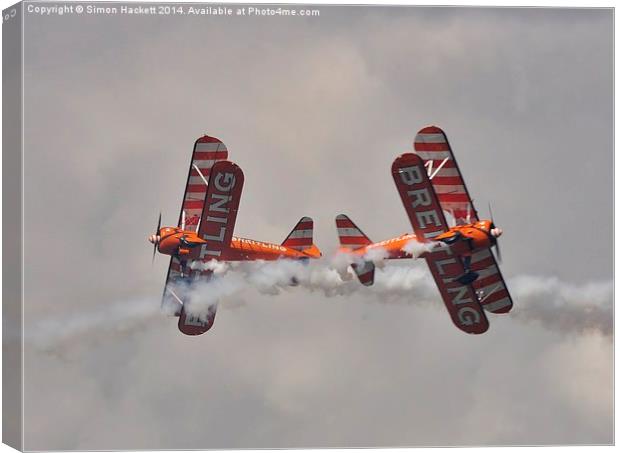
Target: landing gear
x: 469, y: 276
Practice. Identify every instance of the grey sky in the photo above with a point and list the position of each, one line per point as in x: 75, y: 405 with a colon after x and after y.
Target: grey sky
x: 314, y: 110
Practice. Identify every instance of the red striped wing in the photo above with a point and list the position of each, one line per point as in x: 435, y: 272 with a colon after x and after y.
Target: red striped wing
x: 460, y: 300
x: 490, y: 285
x: 432, y: 145
x: 428, y: 221
x: 207, y: 151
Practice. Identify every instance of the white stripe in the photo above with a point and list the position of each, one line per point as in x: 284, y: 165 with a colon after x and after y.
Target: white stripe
x: 446, y: 188
x: 299, y: 234
x: 494, y: 306
x: 213, y: 146
x: 434, y: 155
x: 481, y: 255
x: 447, y: 171
x: 195, y: 180
x: 196, y: 196
x: 350, y: 232
x: 430, y: 138
x: 432, y: 234
x: 191, y: 213
x: 204, y: 164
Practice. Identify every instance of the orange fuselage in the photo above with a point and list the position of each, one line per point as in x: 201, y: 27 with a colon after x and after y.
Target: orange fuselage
x: 462, y: 239
x: 176, y: 242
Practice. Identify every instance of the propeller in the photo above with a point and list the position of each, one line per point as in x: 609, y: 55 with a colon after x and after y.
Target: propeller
x: 496, y: 233
x: 154, y: 239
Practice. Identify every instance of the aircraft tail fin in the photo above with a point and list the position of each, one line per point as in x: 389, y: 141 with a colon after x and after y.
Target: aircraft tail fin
x: 351, y: 237
x: 365, y: 272
x: 300, y: 238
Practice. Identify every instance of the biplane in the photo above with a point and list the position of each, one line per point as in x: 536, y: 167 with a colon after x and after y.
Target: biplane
x: 458, y: 254
x: 205, y: 233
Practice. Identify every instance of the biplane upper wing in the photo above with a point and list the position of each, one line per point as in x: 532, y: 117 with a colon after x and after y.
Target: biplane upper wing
x: 432, y: 145
x: 207, y: 151
x: 428, y: 221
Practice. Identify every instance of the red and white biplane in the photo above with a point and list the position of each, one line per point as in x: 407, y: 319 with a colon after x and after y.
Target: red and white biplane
x: 459, y: 256
x: 205, y: 233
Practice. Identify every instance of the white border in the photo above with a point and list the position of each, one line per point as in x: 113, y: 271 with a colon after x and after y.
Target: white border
x: 483, y: 3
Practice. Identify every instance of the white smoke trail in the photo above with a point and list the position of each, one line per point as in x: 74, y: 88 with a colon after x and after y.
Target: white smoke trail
x: 116, y: 319
x: 377, y: 256
x: 563, y: 306
x: 555, y: 304
x: 217, y: 267
x: 548, y: 301
x: 416, y: 249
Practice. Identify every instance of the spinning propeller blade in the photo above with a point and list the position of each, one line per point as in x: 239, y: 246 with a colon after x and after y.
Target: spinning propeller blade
x: 156, y: 234
x: 491, y: 212
x: 497, y: 249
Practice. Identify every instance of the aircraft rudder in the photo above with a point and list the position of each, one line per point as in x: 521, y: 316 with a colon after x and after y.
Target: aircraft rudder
x: 301, y: 237
x: 349, y: 235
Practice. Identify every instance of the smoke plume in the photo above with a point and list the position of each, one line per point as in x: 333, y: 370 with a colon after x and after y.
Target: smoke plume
x: 548, y: 301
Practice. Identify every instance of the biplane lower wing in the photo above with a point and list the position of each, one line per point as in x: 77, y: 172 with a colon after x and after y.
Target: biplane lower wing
x: 178, y: 292
x: 460, y: 300
x: 428, y: 221
x: 490, y: 286
x: 217, y: 224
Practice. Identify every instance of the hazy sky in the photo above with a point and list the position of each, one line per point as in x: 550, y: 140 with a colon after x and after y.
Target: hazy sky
x: 315, y: 110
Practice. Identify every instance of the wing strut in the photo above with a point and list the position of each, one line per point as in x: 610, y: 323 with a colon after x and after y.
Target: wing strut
x: 200, y: 174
